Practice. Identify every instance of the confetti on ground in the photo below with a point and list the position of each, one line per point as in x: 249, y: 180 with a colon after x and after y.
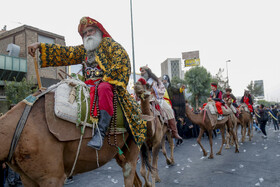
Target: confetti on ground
x: 257, y: 155
x: 241, y: 166
x: 115, y: 181
x: 188, y: 166
x: 178, y: 165
x: 277, y: 155
x: 194, y: 145
x: 261, y: 179
x: 202, y: 158
x: 109, y: 177
x: 257, y: 184
x: 254, y: 143
x: 166, y: 167
x: 109, y: 167
x: 244, y: 150
x: 176, y: 181
x: 265, y: 147
x: 233, y: 170
x: 179, y: 172
x: 189, y: 160
x: 182, y: 168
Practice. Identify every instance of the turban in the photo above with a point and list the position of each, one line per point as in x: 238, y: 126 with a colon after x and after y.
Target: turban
x: 87, y: 21
x: 214, y: 85
x: 144, y: 67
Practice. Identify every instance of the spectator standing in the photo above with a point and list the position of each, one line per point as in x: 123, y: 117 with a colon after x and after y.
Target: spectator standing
x: 263, y: 118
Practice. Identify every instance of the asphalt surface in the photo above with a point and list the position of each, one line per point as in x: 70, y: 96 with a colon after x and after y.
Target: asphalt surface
x: 257, y: 164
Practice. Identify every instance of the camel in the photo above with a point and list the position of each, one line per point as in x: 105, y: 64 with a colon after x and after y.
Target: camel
x: 245, y: 122
x: 42, y: 160
x: 203, y: 121
x: 155, y: 133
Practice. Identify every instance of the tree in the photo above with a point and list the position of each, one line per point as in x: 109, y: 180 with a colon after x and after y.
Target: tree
x: 177, y: 82
x: 17, y: 91
x: 220, y: 80
x: 198, y: 80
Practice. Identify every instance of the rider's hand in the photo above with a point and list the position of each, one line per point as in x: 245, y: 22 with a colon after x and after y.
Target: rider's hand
x: 32, y: 48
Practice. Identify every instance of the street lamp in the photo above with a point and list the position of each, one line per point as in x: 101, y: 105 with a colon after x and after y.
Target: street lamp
x: 227, y: 72
x: 132, y: 36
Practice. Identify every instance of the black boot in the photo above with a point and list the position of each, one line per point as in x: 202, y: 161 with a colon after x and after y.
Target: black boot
x: 97, y: 140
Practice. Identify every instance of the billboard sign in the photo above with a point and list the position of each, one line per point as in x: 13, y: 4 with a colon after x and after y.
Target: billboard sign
x: 258, y: 88
x: 191, y: 58
x: 192, y: 62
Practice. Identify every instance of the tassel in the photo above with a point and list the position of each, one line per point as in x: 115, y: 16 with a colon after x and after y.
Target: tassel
x: 121, y: 155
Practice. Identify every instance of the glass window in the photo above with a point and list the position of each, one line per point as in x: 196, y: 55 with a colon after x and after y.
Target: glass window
x: 45, y: 39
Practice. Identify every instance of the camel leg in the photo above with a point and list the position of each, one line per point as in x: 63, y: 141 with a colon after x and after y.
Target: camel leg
x: 26, y: 181
x: 157, y: 179
x: 249, y: 131
x: 163, y: 149
x: 223, y: 141
x: 211, y: 144
x: 129, y: 164
x: 143, y: 170
x: 198, y: 141
x: 244, y: 136
x: 228, y: 139
x: 154, y: 174
x: 243, y: 132
x: 235, y: 141
x: 171, y: 144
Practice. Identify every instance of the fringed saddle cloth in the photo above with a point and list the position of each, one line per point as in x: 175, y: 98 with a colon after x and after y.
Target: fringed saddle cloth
x: 245, y: 107
x: 72, y: 103
x: 211, y: 106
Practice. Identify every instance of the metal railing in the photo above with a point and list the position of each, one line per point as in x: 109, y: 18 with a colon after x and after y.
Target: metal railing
x: 13, y: 63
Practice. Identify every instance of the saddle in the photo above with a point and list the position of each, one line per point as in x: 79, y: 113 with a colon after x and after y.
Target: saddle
x: 65, y: 130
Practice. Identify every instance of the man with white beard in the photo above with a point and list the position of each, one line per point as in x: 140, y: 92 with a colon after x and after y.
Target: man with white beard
x: 107, y: 67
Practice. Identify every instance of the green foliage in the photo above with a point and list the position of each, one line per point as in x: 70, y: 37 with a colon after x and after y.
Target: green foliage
x: 177, y: 82
x: 198, y: 80
x: 17, y: 91
x: 220, y: 80
x: 267, y: 103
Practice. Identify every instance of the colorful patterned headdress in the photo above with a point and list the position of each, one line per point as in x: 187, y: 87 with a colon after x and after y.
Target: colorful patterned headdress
x: 87, y: 21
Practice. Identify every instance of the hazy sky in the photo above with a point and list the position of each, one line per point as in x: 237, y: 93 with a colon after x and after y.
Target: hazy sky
x: 246, y: 32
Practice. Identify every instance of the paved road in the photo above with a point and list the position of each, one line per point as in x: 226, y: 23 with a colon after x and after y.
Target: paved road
x: 257, y: 164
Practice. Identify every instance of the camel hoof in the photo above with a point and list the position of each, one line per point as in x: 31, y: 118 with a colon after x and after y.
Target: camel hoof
x: 210, y: 157
x: 158, y: 180
x: 227, y: 147
x: 148, y: 184
x: 236, y: 151
x: 218, y: 153
x: 168, y: 162
x: 205, y: 154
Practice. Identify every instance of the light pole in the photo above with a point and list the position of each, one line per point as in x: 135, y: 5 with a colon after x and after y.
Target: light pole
x: 227, y: 72
x: 132, y: 36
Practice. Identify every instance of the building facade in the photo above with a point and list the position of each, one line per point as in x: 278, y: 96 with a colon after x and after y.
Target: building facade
x: 12, y: 67
x: 172, y: 67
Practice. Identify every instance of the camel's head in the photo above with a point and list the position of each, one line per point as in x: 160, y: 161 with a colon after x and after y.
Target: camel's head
x: 140, y: 89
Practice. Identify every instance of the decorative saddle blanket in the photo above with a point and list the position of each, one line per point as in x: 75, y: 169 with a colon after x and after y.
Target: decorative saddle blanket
x: 71, y: 103
x: 211, y: 106
x: 245, y: 107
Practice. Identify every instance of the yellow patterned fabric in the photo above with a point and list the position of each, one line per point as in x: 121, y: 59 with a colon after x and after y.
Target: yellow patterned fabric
x: 114, y: 61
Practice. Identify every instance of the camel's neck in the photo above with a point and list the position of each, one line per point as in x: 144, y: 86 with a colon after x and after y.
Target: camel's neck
x: 194, y: 118
x: 145, y: 107
x: 7, y: 129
